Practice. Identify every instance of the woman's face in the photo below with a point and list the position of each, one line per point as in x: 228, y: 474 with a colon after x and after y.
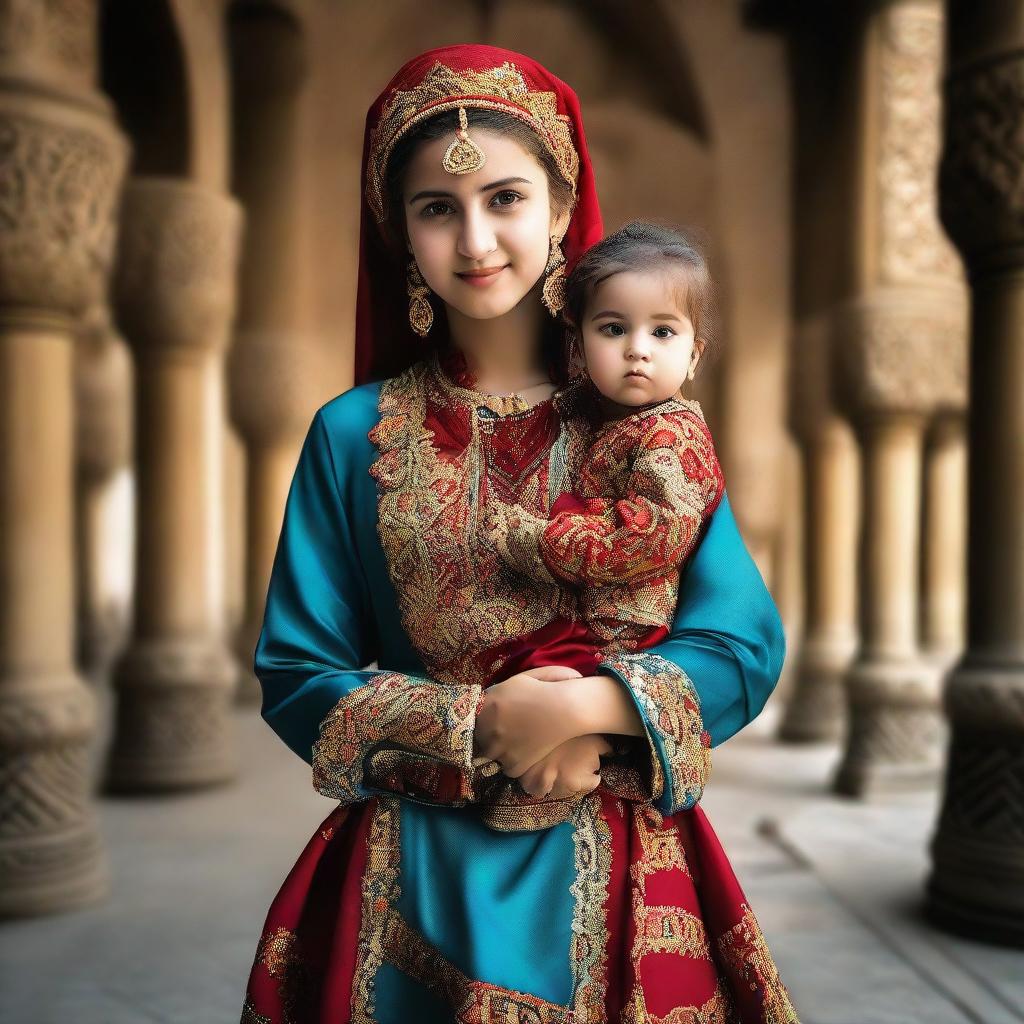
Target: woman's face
x: 481, y: 240
x: 637, y: 339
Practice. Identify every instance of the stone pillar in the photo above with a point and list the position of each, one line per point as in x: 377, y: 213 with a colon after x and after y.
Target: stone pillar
x: 977, y: 881
x: 815, y: 710
x: 175, y: 297
x: 270, y: 408
x: 102, y: 446
x: 945, y: 540
x: 61, y: 167
x: 898, y: 359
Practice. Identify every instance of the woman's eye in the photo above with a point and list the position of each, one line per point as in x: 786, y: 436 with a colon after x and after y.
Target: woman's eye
x: 669, y: 332
x: 506, y: 197
x: 438, y: 208
x: 612, y: 330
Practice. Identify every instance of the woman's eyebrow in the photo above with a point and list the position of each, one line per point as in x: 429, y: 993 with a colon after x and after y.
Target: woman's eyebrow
x: 427, y: 194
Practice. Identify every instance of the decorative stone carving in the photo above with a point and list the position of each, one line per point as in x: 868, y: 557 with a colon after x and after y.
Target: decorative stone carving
x: 61, y: 166
x: 977, y: 881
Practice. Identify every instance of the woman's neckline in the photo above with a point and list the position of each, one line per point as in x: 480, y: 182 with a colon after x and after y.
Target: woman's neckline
x: 449, y: 366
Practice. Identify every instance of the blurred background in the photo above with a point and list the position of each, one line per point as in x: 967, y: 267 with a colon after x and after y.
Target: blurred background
x: 179, y: 197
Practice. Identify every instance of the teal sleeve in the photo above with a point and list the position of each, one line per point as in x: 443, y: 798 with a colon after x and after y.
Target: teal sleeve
x: 727, y: 634
x: 358, y: 727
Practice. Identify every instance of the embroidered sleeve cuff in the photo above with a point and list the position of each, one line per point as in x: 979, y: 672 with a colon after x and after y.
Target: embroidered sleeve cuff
x: 399, y: 734
x: 678, y: 743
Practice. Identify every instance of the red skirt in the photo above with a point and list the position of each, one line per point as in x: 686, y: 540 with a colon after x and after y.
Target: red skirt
x: 681, y: 944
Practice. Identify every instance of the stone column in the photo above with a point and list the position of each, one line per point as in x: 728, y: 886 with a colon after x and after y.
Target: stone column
x: 945, y: 540
x: 61, y: 167
x: 898, y: 358
x: 977, y: 881
x: 102, y: 446
x: 815, y: 710
x: 269, y: 405
x: 175, y: 296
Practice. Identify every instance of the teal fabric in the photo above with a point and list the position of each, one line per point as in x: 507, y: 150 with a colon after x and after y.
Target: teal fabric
x: 474, y: 894
x: 331, y: 607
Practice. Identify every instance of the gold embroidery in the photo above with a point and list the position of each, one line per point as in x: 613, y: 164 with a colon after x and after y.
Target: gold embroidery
x: 672, y: 709
x: 442, y: 88
x: 379, y: 892
x: 250, y: 1016
x: 718, y: 1009
x: 592, y: 841
x: 279, y: 953
x: 430, y: 723
x: 469, y: 999
x: 744, y: 952
x: 456, y: 598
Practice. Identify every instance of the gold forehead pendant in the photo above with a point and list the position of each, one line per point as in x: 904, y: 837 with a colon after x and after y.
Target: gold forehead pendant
x: 463, y: 156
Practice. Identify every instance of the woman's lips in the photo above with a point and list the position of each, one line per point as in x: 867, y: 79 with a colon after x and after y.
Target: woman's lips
x: 481, y: 278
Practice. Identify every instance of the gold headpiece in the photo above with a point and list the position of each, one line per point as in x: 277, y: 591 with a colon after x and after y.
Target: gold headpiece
x: 502, y: 88
x: 463, y: 156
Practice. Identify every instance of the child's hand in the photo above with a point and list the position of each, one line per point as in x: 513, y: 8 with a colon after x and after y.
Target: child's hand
x: 569, y: 769
x: 524, y: 718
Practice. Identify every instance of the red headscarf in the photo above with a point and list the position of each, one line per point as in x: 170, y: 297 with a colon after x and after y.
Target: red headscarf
x: 474, y: 76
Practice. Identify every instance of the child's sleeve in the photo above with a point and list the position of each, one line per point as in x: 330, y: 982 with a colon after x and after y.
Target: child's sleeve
x: 649, y: 531
x: 380, y: 731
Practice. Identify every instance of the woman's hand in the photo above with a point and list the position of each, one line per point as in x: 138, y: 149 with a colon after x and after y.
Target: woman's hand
x: 571, y: 768
x: 524, y: 718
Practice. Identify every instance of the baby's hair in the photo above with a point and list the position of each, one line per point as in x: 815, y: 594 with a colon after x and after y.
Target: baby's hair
x: 643, y: 246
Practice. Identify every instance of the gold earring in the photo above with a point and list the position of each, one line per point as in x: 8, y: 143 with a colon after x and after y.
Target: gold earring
x: 553, y: 295
x: 421, y: 314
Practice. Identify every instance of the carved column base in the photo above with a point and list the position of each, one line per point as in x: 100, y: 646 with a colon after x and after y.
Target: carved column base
x: 977, y: 882
x: 51, y: 856
x: 895, y: 729
x: 817, y: 709
x: 174, y: 725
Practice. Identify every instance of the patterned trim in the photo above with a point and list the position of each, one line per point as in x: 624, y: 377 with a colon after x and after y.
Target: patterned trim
x: 744, y: 951
x: 592, y: 839
x: 401, y: 734
x: 718, y: 1009
x: 668, y: 702
x: 443, y: 88
x: 380, y: 891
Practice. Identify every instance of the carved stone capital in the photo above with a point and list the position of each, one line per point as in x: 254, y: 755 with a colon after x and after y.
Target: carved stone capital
x: 901, y: 351
x: 51, y: 39
x: 174, y: 727
x: 982, y: 169
x: 175, y: 279
x: 911, y: 245
x: 272, y: 375
x: 61, y: 169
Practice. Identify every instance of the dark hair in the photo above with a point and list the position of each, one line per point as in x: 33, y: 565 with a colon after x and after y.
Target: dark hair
x: 446, y: 124
x: 644, y: 246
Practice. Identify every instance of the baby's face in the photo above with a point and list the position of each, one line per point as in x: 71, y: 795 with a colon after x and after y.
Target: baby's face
x: 638, y: 343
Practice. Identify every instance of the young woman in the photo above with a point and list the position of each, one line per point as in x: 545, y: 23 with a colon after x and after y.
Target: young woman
x: 439, y: 890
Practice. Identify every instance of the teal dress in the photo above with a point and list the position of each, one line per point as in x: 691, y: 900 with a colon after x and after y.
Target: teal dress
x: 431, y: 907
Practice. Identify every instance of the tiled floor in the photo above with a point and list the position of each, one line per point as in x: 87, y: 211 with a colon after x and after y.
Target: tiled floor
x: 836, y: 885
